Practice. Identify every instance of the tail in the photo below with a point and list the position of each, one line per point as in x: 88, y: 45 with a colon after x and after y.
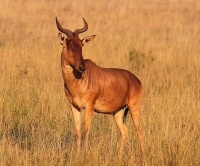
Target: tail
x: 125, y: 113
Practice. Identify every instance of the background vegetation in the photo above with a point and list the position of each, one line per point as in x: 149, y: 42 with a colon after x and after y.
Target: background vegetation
x: 159, y: 41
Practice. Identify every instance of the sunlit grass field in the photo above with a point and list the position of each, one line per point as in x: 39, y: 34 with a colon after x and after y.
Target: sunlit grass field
x: 159, y: 41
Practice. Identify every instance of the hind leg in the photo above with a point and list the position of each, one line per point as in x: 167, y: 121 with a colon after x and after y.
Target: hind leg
x: 135, y: 114
x: 118, y: 117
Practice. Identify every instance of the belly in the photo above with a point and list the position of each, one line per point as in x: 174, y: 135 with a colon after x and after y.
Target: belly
x: 109, y: 107
x: 112, y: 96
x: 101, y: 106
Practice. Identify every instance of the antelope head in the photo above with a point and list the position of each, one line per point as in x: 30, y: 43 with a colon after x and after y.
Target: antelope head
x: 72, y: 46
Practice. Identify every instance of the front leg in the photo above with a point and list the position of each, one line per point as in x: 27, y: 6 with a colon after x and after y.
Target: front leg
x: 77, y: 125
x: 88, y: 118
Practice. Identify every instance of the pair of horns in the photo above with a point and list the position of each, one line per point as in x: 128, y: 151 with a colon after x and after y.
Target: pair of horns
x: 68, y: 32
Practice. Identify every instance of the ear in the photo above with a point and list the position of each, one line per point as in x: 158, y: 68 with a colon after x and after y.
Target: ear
x: 88, y: 39
x: 62, y: 37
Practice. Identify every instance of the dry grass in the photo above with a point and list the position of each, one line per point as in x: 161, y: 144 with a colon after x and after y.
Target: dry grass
x: 158, y: 41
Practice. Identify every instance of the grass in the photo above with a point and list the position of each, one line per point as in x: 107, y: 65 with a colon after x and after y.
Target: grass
x: 157, y: 41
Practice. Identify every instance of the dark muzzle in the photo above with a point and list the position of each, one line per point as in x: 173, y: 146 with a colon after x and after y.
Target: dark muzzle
x: 82, y: 69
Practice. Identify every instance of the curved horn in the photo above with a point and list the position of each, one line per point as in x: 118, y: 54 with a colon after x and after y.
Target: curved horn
x: 77, y: 31
x: 65, y: 31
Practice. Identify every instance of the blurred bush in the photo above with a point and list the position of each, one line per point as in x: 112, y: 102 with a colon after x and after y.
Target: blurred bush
x: 139, y: 60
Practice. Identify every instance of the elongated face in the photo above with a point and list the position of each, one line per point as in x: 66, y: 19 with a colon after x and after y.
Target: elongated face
x: 73, y: 51
x: 73, y: 45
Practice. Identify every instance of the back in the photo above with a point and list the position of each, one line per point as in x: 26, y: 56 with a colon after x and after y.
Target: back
x: 115, y: 86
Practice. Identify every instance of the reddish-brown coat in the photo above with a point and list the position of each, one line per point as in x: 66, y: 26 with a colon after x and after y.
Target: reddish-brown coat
x: 93, y: 88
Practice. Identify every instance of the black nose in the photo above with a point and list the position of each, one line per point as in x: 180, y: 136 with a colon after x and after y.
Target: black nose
x: 82, y: 69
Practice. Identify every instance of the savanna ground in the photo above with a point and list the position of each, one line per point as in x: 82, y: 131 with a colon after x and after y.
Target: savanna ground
x: 159, y: 41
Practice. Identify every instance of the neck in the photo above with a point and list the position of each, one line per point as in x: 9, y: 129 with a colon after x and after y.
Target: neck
x: 70, y: 74
x: 66, y: 66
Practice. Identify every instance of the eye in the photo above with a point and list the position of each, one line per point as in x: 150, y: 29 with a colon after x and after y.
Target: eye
x: 68, y: 44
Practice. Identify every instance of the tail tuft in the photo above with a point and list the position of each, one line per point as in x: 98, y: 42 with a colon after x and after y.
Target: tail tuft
x: 125, y: 114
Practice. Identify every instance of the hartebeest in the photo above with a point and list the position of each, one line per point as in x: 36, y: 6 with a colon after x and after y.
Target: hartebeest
x: 93, y: 88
